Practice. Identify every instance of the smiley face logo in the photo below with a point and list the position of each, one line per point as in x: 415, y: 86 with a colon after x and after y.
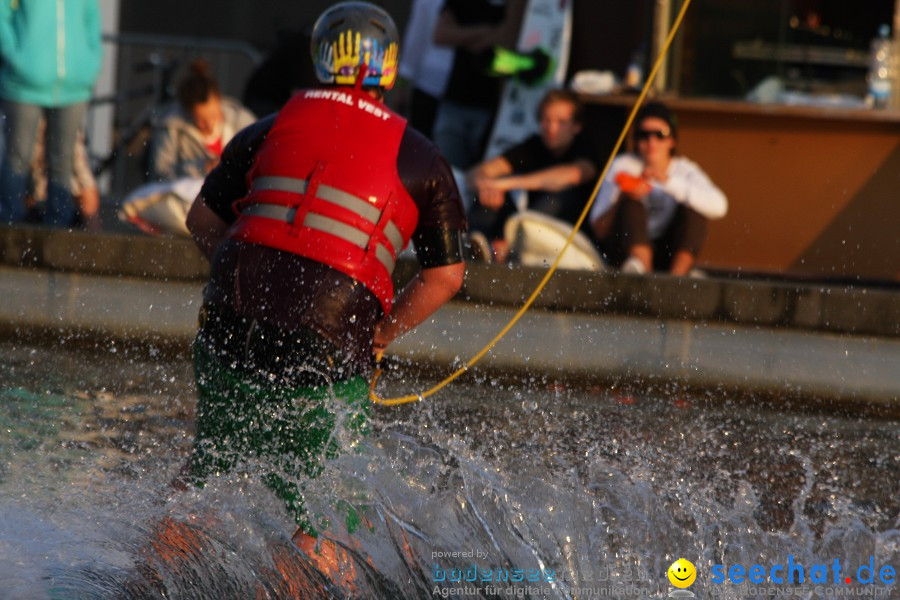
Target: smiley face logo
x: 682, y: 573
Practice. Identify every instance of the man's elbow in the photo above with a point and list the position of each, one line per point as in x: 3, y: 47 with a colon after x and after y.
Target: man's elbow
x: 720, y: 208
x: 205, y: 226
x: 454, y: 277
x: 448, y: 279
x: 195, y: 217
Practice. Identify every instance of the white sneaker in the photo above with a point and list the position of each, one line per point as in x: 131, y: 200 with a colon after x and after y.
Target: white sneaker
x: 633, y: 266
x: 480, y: 248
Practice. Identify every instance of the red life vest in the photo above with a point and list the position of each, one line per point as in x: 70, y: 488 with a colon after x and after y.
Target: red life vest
x: 325, y: 186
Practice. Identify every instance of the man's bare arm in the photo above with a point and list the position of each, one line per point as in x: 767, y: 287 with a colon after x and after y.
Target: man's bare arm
x: 552, y: 179
x: 206, y: 227
x: 429, y: 290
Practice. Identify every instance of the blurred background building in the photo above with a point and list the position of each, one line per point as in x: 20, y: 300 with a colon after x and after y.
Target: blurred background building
x: 771, y: 95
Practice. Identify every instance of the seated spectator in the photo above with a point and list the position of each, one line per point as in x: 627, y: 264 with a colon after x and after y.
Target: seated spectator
x: 193, y: 134
x: 652, y: 209
x: 555, y: 166
x: 186, y: 148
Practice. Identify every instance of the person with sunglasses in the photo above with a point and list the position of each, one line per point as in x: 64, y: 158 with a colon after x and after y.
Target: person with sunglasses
x: 652, y: 209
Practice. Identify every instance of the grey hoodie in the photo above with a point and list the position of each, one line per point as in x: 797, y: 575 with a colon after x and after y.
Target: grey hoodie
x: 177, y: 149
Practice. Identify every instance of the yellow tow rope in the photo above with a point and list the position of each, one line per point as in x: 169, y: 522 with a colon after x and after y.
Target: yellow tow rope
x: 373, y: 395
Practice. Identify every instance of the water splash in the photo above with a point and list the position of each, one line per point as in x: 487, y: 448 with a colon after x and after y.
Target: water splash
x: 535, y: 476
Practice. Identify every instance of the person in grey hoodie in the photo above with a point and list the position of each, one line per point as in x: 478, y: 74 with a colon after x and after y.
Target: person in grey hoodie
x: 192, y: 135
x: 51, y: 51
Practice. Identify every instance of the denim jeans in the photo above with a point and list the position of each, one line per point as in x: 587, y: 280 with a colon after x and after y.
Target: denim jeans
x: 460, y: 133
x: 21, y: 129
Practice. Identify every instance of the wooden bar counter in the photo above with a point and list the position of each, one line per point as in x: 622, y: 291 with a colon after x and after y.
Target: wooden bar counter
x: 813, y: 191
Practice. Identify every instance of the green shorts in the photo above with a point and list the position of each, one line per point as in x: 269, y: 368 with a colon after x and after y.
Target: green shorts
x: 284, y: 432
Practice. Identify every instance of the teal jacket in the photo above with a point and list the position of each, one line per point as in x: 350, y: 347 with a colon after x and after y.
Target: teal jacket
x: 50, y: 51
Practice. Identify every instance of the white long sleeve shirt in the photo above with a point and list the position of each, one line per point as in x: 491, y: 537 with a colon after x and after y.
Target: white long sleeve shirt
x: 687, y: 184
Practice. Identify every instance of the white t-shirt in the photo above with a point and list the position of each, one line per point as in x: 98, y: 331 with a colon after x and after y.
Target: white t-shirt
x: 421, y: 62
x: 687, y: 184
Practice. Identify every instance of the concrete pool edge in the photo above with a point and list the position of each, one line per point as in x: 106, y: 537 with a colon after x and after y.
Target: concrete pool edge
x: 557, y: 345
x: 826, y: 307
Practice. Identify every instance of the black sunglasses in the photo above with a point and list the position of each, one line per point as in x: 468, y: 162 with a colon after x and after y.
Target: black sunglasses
x: 645, y: 134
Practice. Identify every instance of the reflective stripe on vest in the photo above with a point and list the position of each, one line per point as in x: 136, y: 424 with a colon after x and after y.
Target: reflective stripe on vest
x: 325, y: 224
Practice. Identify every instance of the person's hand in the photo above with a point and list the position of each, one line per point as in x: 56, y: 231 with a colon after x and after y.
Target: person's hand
x: 379, y: 342
x: 490, y: 194
x: 633, y: 187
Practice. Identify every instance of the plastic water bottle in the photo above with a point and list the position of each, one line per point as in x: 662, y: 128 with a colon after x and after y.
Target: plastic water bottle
x: 880, y: 69
x: 634, y: 74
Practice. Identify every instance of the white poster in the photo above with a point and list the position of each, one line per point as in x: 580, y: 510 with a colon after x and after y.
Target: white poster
x: 547, y: 24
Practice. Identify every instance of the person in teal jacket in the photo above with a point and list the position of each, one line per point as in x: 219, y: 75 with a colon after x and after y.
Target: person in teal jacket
x: 50, y: 52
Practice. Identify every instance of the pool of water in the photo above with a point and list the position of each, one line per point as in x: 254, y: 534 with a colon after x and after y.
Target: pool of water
x: 558, y: 490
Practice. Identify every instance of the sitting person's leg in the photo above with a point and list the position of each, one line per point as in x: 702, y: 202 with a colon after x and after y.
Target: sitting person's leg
x: 677, y: 249
x: 622, y: 233
x: 490, y: 223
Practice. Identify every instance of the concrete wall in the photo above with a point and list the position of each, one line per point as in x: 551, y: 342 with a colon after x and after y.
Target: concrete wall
x: 855, y: 310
